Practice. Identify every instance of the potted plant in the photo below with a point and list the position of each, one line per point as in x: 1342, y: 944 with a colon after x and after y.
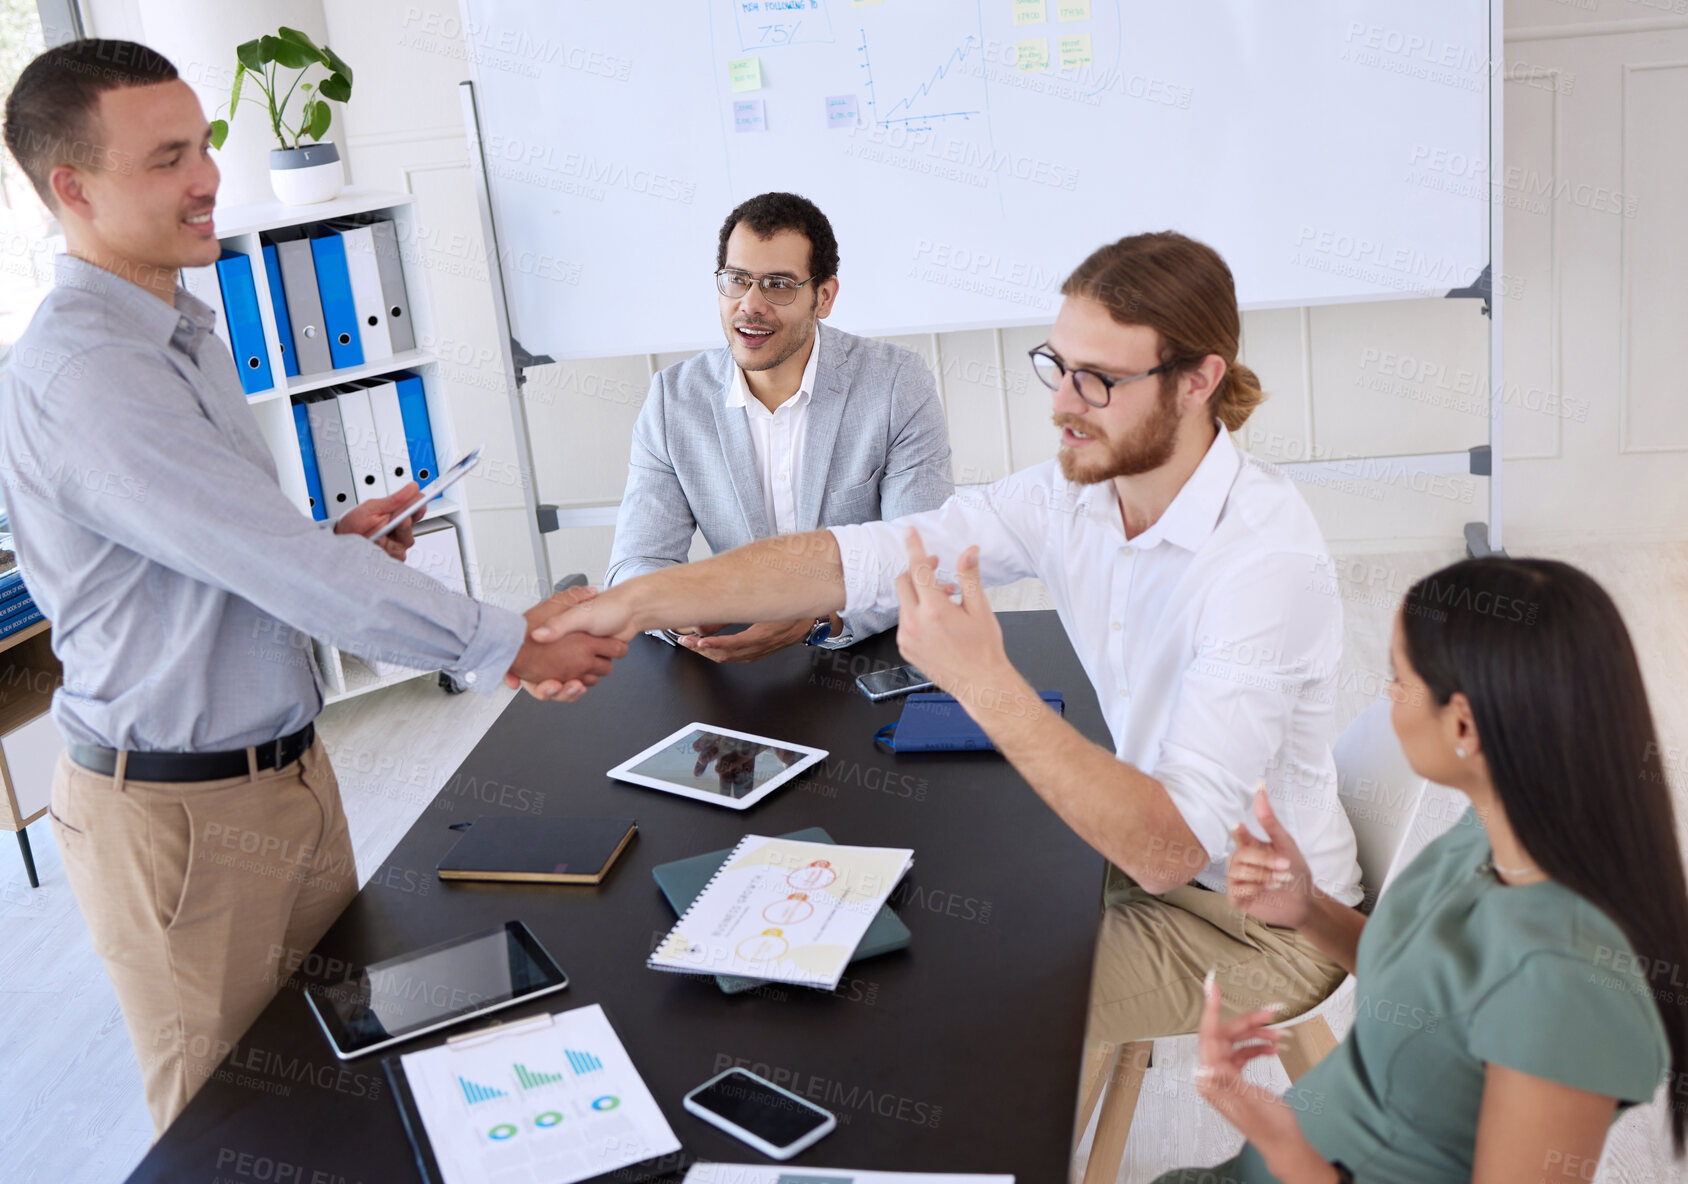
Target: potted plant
x: 301, y: 173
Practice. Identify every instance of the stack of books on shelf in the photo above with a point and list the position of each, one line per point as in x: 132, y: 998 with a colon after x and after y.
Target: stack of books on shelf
x: 17, y: 608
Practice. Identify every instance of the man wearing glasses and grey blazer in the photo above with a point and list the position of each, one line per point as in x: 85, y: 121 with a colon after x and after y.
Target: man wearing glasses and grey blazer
x: 793, y: 427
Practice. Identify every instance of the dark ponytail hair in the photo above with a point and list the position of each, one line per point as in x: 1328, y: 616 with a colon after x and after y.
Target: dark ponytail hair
x: 1556, y: 693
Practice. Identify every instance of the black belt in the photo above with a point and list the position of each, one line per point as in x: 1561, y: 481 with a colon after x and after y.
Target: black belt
x: 194, y: 766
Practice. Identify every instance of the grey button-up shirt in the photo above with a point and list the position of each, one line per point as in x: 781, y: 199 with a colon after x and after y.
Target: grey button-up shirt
x: 182, y: 584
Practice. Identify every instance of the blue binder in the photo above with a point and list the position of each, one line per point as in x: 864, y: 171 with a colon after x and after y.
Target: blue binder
x: 307, y: 453
x: 418, y: 436
x: 246, y: 331
x: 339, y: 315
x: 278, y: 301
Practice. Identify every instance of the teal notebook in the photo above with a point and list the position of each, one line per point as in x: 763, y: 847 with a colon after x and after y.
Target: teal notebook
x: 683, y: 880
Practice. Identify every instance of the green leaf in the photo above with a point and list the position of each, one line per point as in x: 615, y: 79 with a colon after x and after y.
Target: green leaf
x: 320, y: 116
x: 234, y: 94
x: 333, y: 62
x: 294, y: 37
x: 336, y: 87
x: 285, y: 53
x: 219, y: 132
x: 250, y: 54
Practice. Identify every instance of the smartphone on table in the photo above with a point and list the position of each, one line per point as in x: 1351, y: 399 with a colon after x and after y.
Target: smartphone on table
x: 888, y: 684
x: 754, y: 1110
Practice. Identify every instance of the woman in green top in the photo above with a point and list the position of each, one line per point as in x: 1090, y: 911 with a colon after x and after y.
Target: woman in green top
x: 1527, y: 975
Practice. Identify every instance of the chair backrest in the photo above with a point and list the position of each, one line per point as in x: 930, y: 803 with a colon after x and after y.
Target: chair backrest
x: 1379, y: 792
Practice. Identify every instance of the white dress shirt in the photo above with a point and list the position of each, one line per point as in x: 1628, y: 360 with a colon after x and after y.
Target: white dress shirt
x: 777, y: 438
x: 1211, y: 638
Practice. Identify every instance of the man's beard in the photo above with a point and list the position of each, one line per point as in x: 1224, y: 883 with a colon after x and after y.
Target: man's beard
x: 1149, y: 447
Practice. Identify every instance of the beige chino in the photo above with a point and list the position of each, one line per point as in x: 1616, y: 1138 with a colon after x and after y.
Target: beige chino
x: 201, y: 897
x: 1153, y: 952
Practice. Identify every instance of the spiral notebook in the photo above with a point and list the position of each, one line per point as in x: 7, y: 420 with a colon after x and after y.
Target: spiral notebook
x: 782, y: 910
x: 684, y: 879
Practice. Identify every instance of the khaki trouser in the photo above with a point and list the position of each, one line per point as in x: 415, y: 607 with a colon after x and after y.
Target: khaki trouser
x: 1154, y: 951
x: 201, y: 897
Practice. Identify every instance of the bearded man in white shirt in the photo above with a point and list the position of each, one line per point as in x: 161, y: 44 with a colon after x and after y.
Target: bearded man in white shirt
x: 1187, y: 575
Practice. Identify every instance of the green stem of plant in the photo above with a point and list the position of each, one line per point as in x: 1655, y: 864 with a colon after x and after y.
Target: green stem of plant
x: 289, y: 96
x: 275, y: 114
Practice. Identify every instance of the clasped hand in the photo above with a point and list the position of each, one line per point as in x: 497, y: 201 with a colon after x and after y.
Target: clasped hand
x: 566, y: 664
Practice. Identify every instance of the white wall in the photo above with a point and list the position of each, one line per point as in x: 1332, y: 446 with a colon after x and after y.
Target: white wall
x: 1596, y: 128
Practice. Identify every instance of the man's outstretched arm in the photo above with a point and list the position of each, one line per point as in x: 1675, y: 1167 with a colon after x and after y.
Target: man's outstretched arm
x: 772, y: 579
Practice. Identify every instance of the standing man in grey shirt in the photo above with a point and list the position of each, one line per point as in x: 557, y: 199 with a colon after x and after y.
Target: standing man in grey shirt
x: 197, y: 814
x: 794, y: 425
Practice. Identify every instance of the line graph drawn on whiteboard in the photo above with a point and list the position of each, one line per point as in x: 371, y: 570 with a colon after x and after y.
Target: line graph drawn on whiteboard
x: 772, y: 24
x: 949, y: 91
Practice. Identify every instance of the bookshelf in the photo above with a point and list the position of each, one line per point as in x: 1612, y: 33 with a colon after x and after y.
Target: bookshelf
x: 242, y: 229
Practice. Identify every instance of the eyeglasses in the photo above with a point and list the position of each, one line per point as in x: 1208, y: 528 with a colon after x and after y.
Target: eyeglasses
x: 1095, y: 389
x: 776, y: 289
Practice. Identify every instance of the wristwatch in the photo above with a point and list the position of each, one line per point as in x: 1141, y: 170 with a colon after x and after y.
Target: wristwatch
x: 820, y: 634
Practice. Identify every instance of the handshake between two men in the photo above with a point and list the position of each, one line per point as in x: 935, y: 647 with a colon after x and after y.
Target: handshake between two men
x: 574, y: 636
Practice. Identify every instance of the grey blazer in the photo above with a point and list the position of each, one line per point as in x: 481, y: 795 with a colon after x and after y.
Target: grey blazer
x: 876, y: 446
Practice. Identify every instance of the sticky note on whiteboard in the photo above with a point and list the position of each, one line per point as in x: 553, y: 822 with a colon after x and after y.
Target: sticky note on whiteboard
x: 745, y: 74
x: 840, y: 111
x: 1029, y: 12
x: 1075, y: 51
x: 1031, y: 55
x: 1072, y: 10
x: 749, y: 115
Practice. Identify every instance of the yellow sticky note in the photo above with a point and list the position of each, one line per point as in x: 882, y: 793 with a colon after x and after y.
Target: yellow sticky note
x: 1072, y: 10
x: 1031, y: 55
x: 745, y: 74
x: 1029, y: 12
x: 1075, y: 51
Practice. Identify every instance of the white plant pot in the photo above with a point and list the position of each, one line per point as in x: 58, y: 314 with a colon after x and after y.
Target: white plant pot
x: 305, y: 176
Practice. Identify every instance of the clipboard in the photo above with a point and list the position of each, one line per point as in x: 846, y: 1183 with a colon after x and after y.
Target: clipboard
x: 416, y: 1131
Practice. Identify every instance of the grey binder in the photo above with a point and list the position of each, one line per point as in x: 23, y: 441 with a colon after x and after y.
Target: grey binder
x: 392, y: 286
x: 304, y: 307
x: 334, y: 463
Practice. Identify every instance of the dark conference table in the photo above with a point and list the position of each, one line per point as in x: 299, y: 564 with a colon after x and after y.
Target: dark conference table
x: 960, y: 1053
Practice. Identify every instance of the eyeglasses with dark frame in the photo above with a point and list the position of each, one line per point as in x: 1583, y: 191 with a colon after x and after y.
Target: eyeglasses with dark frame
x: 1050, y: 370
x: 776, y: 289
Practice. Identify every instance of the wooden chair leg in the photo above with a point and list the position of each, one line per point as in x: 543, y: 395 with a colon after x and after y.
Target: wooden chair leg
x: 1119, y: 1104
x: 1098, y: 1067
x: 1305, y: 1045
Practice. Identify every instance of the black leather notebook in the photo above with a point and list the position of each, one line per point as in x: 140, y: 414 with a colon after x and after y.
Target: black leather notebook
x: 537, y: 850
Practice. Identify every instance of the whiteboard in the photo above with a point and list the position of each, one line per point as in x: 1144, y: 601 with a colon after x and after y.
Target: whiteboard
x: 1331, y: 150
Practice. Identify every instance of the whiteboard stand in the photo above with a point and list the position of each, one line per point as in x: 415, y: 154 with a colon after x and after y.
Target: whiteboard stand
x: 541, y: 520
x: 1482, y: 539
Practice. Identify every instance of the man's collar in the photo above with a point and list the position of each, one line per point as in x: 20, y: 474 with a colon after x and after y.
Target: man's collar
x: 156, y: 320
x: 1194, y: 511
x: 738, y: 389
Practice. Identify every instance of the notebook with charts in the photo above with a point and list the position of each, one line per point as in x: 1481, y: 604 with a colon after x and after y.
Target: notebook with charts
x: 784, y: 911
x: 553, y: 1099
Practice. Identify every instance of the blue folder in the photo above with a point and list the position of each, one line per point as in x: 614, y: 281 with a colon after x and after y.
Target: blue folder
x: 307, y: 453
x: 246, y: 330
x: 339, y: 315
x: 937, y: 723
x: 418, y: 436
x: 278, y: 301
